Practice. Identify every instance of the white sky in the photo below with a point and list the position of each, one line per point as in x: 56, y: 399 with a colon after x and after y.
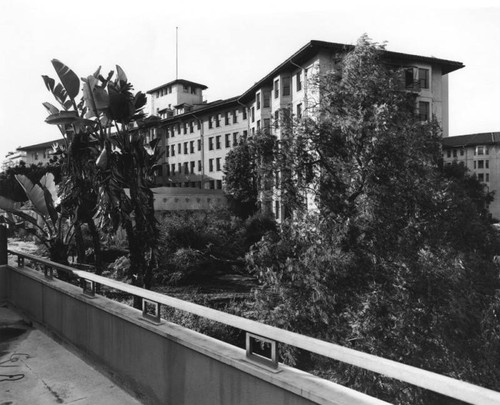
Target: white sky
x: 229, y: 45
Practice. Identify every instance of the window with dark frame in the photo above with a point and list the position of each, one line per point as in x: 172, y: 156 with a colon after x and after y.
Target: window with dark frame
x: 424, y: 110
x: 298, y: 80
x: 299, y: 111
x: 286, y: 86
x: 423, y: 78
x: 276, y: 88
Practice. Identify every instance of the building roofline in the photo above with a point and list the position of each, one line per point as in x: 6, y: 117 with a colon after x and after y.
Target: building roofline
x: 483, y: 138
x: 40, y: 145
x: 180, y: 81
x: 206, y: 108
x: 311, y: 48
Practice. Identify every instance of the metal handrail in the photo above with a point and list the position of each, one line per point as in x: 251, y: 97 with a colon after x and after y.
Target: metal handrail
x: 421, y: 378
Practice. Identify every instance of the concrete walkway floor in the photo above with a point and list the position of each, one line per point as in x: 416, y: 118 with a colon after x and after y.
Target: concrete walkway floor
x: 35, y: 370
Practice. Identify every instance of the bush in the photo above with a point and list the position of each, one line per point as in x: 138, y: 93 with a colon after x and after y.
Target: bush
x: 199, y: 245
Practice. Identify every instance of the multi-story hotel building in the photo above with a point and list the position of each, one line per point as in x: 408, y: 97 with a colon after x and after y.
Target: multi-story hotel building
x: 480, y: 153
x: 197, y: 135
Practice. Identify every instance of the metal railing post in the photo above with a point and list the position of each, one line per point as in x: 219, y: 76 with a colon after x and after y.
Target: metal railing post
x: 3, y: 245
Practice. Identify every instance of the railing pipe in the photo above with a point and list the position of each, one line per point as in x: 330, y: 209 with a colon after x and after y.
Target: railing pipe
x: 448, y: 386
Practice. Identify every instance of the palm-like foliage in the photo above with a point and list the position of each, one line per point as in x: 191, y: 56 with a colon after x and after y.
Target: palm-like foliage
x: 106, y: 155
x: 48, y: 221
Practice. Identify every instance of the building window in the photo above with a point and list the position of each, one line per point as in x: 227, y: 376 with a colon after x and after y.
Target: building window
x: 217, y: 120
x: 423, y: 110
x: 179, y: 167
x: 258, y: 125
x: 462, y: 152
x: 286, y: 86
x: 487, y: 164
x: 172, y: 150
x: 210, y: 122
x: 276, y: 88
x: 226, y: 118
x: 186, y: 89
x: 199, y: 165
x: 172, y: 168
x: 277, y: 209
x: 267, y: 125
x: 454, y: 153
x: 167, y: 151
x: 409, y: 81
x: 218, y: 184
x: 185, y: 128
x: 252, y: 112
x: 267, y: 100
x: 168, y: 170
x: 211, y: 143
x: 423, y: 78
x: 299, y: 111
x: 480, y: 164
x: 480, y: 177
x: 235, y: 138
x: 217, y: 163
x: 217, y: 142
x: 448, y: 153
x: 192, y: 166
x: 298, y: 79
x: 210, y: 165
x: 244, y: 113
x: 235, y: 116
x: 475, y: 164
x: 257, y: 100
x: 193, y: 90
x: 245, y: 135
x: 191, y: 147
x: 481, y: 150
x: 199, y: 144
x: 487, y: 177
x: 191, y: 127
x: 228, y: 140
x: 186, y: 168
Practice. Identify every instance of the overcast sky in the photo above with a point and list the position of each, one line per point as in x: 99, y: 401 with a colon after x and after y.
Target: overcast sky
x: 229, y: 45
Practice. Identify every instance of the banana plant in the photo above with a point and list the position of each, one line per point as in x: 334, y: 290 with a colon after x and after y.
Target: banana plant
x: 119, y: 165
x: 46, y: 221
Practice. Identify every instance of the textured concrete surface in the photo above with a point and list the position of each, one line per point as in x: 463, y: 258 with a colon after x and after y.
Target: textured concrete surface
x: 35, y: 369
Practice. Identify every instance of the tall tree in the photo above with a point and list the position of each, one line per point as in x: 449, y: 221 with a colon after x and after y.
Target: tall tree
x: 383, y: 266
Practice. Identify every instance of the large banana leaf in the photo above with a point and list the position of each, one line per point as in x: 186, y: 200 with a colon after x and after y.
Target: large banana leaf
x: 68, y: 78
x: 50, y: 192
x: 35, y: 193
x: 7, y: 204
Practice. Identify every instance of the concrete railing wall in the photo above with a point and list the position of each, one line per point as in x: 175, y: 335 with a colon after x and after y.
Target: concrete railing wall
x: 165, y: 363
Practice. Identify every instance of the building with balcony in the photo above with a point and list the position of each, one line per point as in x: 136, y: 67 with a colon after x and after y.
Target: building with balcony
x: 196, y: 135
x: 480, y: 153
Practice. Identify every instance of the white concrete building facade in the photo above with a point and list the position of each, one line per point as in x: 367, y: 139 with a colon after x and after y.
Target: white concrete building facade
x: 196, y: 135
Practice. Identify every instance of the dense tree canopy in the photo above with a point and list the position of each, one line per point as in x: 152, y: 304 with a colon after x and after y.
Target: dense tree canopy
x: 397, y: 260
